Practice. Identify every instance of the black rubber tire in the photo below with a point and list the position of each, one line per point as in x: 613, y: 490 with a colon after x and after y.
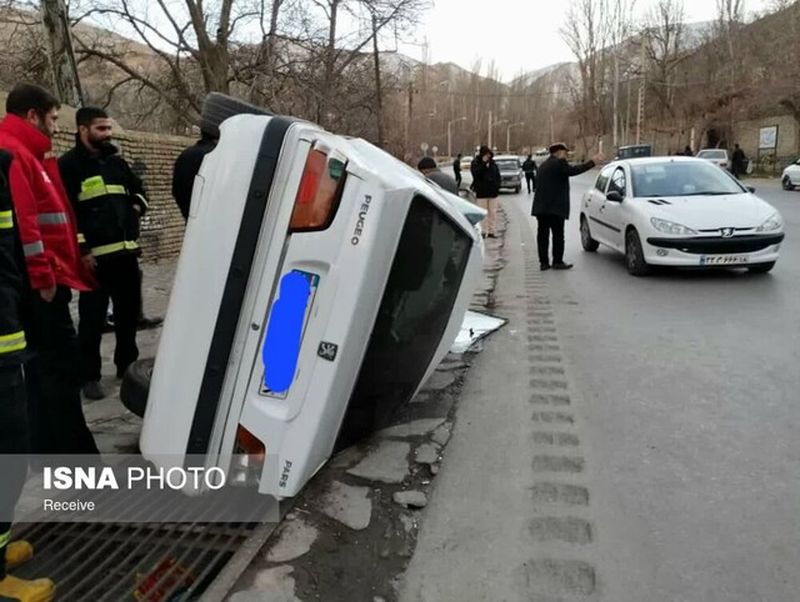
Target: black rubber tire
x: 218, y: 107
x: 517, y: 189
x: 761, y: 268
x: 786, y: 183
x: 136, y: 385
x: 634, y: 255
x: 590, y: 245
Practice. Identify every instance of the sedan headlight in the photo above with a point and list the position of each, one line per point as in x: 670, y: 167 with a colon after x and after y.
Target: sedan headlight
x: 773, y: 223
x: 668, y: 227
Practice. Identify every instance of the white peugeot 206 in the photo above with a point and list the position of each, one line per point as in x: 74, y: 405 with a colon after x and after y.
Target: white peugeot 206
x: 320, y: 283
x: 679, y: 212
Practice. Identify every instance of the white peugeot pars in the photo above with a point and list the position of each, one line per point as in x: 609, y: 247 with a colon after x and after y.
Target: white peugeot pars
x: 320, y: 283
x: 679, y: 212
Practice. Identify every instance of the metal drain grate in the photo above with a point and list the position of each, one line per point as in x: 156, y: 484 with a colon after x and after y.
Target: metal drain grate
x: 145, y: 562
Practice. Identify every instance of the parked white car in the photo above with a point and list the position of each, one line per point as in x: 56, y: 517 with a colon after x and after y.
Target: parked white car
x: 718, y: 156
x: 320, y: 283
x: 791, y: 176
x: 680, y: 212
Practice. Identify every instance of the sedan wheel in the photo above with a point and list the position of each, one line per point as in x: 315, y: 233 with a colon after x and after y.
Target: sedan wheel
x: 787, y: 183
x: 634, y: 255
x: 589, y: 243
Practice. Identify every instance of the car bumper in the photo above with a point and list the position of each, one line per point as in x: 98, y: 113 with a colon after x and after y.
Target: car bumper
x: 713, y: 251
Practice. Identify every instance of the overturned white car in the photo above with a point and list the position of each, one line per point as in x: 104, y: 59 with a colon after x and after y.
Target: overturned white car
x: 320, y: 283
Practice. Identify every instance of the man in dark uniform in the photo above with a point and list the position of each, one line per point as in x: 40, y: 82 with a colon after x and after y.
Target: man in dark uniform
x: 13, y: 401
x: 551, y: 203
x: 529, y: 168
x: 109, y: 200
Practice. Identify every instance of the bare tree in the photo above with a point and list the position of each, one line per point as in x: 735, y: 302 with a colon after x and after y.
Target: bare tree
x: 664, y: 34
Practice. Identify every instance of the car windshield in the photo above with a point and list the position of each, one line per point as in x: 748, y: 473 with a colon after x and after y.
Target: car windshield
x: 682, y: 178
x: 507, y: 164
x: 712, y: 154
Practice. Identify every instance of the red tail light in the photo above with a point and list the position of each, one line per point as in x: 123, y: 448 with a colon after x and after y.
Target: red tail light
x: 249, y: 444
x: 319, y: 192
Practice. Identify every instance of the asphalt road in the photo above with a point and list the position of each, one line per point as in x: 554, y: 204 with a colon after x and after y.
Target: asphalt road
x: 690, y: 384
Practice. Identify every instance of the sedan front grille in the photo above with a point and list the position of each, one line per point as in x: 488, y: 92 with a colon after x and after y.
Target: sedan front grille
x: 712, y: 245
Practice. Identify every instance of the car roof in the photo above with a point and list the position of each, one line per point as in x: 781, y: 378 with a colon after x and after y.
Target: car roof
x: 506, y: 157
x: 658, y: 160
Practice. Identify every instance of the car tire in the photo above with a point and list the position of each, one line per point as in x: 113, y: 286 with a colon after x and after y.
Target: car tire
x: 786, y: 183
x: 517, y: 189
x: 761, y: 268
x: 634, y: 255
x: 219, y: 107
x: 136, y: 385
x: 590, y: 245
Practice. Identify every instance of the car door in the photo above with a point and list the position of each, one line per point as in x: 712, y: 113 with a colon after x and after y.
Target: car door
x: 611, y: 218
x: 593, y: 200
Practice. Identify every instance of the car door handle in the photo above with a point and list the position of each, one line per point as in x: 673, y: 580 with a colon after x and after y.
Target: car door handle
x: 603, y: 208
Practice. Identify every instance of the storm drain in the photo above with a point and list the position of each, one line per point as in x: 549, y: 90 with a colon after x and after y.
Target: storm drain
x: 145, y: 562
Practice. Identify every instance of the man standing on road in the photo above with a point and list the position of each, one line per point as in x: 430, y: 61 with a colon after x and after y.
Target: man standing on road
x: 109, y: 200
x: 50, y: 246
x: 529, y: 167
x: 457, y: 170
x: 486, y: 184
x: 738, y: 162
x: 428, y: 167
x: 551, y: 203
x: 187, y: 166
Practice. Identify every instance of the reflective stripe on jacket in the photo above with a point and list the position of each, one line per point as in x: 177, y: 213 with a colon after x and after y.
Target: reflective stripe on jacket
x: 12, y: 270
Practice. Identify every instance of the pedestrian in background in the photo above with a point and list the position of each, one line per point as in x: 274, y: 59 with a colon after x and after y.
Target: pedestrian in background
x: 50, y: 245
x: 551, y: 203
x: 738, y: 162
x: 486, y: 184
x: 187, y: 165
x: 529, y: 167
x: 427, y: 165
x: 457, y: 170
x: 688, y: 151
x: 109, y: 200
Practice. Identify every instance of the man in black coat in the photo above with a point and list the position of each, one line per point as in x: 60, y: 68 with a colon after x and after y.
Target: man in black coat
x: 486, y: 184
x: 738, y: 162
x: 457, y: 170
x: 187, y: 165
x: 551, y: 203
x: 529, y: 167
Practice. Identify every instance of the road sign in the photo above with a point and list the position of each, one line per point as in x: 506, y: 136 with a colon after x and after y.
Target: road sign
x: 424, y: 146
x: 435, y: 149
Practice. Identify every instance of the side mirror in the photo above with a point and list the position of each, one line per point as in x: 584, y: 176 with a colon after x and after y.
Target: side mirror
x: 614, y: 196
x: 751, y: 188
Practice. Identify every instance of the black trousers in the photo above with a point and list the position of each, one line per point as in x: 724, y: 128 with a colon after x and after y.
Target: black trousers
x: 13, y: 450
x: 530, y: 179
x: 548, y: 224
x: 458, y: 179
x: 53, y: 381
x: 121, y: 281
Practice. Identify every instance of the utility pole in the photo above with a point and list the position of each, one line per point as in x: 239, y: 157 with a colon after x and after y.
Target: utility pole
x: 640, y: 110
x: 552, y: 130
x: 450, y: 134
x: 490, y: 130
x: 62, y: 56
x: 508, y: 133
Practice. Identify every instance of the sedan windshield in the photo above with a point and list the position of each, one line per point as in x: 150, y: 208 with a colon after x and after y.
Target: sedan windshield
x: 682, y: 178
x: 508, y: 165
x: 712, y: 154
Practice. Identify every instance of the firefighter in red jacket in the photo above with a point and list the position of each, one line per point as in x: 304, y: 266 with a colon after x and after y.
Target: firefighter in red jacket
x: 109, y: 200
x: 13, y: 409
x: 50, y: 245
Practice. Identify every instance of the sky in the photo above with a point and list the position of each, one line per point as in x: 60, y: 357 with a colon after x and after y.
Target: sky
x: 520, y: 35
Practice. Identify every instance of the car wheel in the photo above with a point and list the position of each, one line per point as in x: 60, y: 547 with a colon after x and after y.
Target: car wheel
x: 761, y: 268
x: 787, y: 183
x: 589, y: 243
x: 634, y: 255
x: 219, y: 107
x: 517, y: 189
x: 136, y: 385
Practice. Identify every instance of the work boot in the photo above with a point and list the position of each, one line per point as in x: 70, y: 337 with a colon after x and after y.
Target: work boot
x: 18, y: 553
x: 94, y: 390
x: 147, y: 323
x: 562, y: 266
x: 23, y: 590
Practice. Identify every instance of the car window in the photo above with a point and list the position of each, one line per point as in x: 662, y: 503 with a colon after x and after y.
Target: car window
x: 419, y: 296
x: 602, y: 179
x: 618, y: 181
x: 507, y: 164
x: 713, y: 154
x: 682, y: 178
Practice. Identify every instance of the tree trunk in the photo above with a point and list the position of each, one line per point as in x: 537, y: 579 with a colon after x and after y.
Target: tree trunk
x: 378, y: 89
x: 62, y: 58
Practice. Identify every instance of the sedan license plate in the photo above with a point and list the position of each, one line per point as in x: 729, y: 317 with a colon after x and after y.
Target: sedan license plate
x: 723, y: 259
x: 290, y: 345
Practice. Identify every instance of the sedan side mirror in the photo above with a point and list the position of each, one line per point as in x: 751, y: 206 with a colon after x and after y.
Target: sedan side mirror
x: 751, y: 188
x: 614, y: 196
